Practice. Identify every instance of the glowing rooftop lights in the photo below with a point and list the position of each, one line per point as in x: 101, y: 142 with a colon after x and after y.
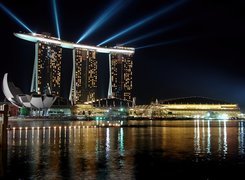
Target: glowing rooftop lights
x: 108, y: 13
x: 69, y: 45
x: 6, y: 10
x: 162, y: 30
x: 56, y: 18
x: 143, y: 21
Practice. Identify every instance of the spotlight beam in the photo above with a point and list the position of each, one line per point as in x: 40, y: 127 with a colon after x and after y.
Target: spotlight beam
x: 163, y: 43
x: 108, y: 13
x: 143, y: 21
x: 162, y: 30
x: 56, y: 18
x: 6, y: 10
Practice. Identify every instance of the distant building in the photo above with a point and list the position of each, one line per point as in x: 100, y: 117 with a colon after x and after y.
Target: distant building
x: 84, y: 76
x: 47, y: 69
x: 112, y: 102
x: 189, y: 107
x: 121, y: 76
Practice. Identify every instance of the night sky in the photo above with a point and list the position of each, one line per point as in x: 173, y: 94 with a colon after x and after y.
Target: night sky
x: 201, y: 54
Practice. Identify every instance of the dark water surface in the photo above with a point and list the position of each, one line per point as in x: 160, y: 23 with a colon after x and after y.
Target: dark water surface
x: 187, y: 149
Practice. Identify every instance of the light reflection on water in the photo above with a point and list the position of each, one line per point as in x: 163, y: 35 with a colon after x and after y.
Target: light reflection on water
x: 72, y: 151
x: 212, y: 139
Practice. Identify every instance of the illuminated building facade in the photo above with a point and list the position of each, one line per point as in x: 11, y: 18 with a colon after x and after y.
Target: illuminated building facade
x: 190, y: 107
x: 84, y: 76
x: 47, y: 69
x: 121, y: 76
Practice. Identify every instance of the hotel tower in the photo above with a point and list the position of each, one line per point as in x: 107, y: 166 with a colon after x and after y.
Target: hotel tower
x: 84, y: 76
x: 121, y: 75
x: 46, y: 76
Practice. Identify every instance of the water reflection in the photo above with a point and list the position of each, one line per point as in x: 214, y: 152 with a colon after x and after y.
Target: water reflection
x: 241, y: 136
x: 74, y: 150
x: 107, y: 143
x: 197, y: 147
x: 213, y: 135
x: 121, y: 141
x: 225, y: 146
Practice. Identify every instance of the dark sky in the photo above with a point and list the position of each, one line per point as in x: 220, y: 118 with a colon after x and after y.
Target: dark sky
x: 208, y: 60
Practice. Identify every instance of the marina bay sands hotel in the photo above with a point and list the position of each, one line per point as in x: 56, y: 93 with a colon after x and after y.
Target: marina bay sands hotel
x: 84, y: 81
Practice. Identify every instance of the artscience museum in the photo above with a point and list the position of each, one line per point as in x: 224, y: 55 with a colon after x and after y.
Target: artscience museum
x: 33, y: 101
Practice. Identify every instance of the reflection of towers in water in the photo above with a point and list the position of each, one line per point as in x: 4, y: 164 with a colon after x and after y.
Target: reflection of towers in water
x: 120, y: 80
x: 46, y: 76
x: 241, y: 138
x: 84, y: 76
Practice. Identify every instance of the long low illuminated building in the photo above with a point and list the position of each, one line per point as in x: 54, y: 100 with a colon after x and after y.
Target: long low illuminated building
x: 189, y: 107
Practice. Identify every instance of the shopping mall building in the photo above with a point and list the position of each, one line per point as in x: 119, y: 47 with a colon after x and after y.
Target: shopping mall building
x: 188, y: 107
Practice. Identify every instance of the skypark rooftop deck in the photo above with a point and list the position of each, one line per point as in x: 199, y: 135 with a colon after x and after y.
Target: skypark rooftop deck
x: 70, y: 45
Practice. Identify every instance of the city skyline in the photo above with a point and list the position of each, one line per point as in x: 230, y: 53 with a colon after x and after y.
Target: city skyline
x: 202, y: 57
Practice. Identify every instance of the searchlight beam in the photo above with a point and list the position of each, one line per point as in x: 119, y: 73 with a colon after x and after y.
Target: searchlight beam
x: 56, y: 18
x: 6, y: 10
x: 143, y: 21
x: 159, y: 31
x: 161, y: 43
x: 108, y: 13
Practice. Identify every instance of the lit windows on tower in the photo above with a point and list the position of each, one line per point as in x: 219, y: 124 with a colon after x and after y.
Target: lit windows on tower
x: 84, y: 76
x: 121, y: 75
x: 47, y: 69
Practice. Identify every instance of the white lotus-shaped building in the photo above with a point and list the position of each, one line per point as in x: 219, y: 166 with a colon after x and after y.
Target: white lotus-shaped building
x: 17, y: 98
